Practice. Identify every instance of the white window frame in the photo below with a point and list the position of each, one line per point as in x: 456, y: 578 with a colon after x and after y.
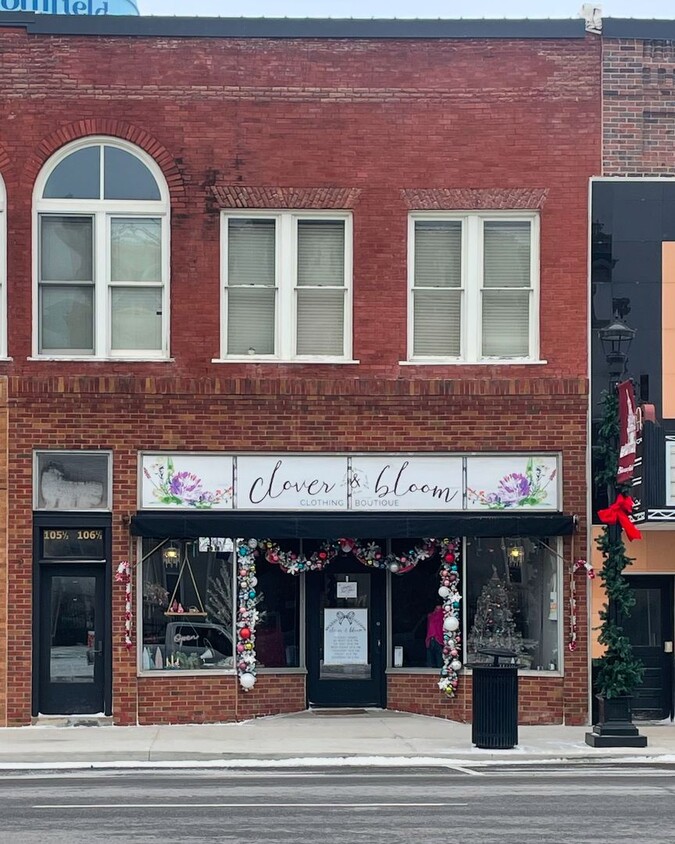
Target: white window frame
x: 54, y: 454
x: 3, y: 269
x: 472, y: 285
x: 285, y: 271
x: 102, y: 211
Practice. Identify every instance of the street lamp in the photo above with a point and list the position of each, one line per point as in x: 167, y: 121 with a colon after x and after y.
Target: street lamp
x: 619, y: 671
x: 616, y: 339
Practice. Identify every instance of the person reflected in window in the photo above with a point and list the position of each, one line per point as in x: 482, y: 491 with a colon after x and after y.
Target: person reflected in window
x: 434, y: 639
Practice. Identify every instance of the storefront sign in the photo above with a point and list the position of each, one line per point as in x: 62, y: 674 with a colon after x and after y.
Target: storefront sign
x: 291, y: 483
x: 71, y: 7
x: 513, y: 482
x: 345, y: 637
x: 186, y: 481
x: 393, y: 482
x: 628, y: 425
x: 333, y: 482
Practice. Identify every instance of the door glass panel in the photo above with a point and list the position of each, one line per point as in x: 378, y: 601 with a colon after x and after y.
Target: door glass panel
x: 72, y: 626
x: 345, y: 609
x: 643, y: 626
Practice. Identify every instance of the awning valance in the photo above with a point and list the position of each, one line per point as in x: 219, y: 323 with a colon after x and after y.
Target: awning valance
x: 275, y: 525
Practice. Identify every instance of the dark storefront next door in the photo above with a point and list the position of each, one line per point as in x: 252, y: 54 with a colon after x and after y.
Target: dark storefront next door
x: 345, y: 636
x: 72, y: 649
x: 650, y: 630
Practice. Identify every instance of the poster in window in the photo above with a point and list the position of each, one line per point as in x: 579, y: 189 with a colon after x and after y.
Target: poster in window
x: 345, y: 637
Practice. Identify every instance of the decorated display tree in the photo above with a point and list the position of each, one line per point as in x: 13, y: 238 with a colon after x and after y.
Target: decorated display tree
x: 493, y: 624
x: 619, y: 671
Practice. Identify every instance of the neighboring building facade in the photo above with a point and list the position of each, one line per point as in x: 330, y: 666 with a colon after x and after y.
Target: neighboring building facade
x: 633, y: 274
x: 293, y: 281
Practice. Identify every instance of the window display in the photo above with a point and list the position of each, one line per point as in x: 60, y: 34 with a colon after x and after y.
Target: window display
x: 277, y: 637
x: 416, y: 613
x: 512, y: 588
x: 188, y: 606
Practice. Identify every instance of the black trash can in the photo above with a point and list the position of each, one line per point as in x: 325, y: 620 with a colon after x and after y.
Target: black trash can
x: 495, y: 701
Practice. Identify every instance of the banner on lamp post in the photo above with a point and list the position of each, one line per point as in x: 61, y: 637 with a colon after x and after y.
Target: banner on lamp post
x: 628, y: 431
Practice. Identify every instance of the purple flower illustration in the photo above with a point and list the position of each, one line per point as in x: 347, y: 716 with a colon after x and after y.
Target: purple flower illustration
x: 513, y: 488
x: 517, y: 489
x: 183, y: 489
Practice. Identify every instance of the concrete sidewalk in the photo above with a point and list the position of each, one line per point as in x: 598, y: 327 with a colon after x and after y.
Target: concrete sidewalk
x: 317, y: 738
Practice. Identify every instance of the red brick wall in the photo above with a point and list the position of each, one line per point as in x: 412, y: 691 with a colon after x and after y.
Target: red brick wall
x: 638, y: 92
x: 376, y: 126
x: 172, y: 699
x: 540, y: 699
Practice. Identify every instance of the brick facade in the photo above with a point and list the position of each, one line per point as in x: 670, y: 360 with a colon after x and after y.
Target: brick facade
x: 378, y: 127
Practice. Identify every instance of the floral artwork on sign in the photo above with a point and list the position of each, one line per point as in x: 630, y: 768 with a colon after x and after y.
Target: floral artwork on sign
x: 187, y: 481
x: 502, y: 484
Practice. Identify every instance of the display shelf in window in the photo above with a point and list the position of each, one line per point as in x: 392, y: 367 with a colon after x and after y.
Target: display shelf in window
x: 175, y: 608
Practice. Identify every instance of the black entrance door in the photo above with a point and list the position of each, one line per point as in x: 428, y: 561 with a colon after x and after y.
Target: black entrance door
x: 650, y: 630
x: 72, y: 644
x: 345, y: 635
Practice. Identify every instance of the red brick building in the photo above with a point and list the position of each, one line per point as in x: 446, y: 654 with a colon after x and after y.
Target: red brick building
x: 292, y: 281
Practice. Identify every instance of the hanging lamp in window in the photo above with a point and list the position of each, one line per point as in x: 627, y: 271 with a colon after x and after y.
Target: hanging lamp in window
x: 171, y: 555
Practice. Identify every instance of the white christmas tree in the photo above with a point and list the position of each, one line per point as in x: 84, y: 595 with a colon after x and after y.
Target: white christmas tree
x: 493, y: 624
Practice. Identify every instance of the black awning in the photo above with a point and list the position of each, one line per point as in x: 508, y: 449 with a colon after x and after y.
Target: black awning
x: 275, y: 525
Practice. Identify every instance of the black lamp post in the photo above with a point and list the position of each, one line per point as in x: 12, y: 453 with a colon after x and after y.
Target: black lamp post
x: 619, y: 671
x: 616, y: 339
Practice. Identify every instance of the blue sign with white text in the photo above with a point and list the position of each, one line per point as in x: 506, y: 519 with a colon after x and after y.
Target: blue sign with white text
x: 71, y: 7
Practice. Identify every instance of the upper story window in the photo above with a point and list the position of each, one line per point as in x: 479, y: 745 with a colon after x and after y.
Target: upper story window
x: 3, y: 270
x: 474, y: 287
x: 287, y: 281
x: 102, y: 257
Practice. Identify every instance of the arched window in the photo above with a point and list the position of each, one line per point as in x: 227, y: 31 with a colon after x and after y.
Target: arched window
x: 102, y: 268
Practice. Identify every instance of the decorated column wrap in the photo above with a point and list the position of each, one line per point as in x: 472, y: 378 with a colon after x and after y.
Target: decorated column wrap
x: 123, y: 575
x: 247, y: 614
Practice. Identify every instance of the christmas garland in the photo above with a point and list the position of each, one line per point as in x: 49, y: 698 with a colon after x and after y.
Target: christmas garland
x: 123, y: 575
x: 369, y: 555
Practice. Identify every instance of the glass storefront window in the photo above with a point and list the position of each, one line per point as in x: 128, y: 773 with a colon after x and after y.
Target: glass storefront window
x: 512, y: 600
x: 277, y: 635
x: 414, y: 595
x: 188, y: 604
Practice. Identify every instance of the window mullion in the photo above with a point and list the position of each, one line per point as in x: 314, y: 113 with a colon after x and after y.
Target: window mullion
x: 285, y: 319
x: 472, y: 278
x: 102, y: 284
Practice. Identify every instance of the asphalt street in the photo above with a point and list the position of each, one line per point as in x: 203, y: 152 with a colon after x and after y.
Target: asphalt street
x: 546, y: 804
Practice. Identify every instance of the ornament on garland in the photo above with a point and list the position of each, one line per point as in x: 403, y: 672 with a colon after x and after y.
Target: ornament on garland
x: 123, y: 575
x: 449, y: 593
x: 247, y: 613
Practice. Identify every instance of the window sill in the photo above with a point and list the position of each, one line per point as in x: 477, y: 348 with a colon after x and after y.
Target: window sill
x: 522, y: 672
x: 197, y: 672
x: 90, y: 359
x: 4, y: 359
x: 310, y: 361
x: 455, y: 362
x: 280, y: 670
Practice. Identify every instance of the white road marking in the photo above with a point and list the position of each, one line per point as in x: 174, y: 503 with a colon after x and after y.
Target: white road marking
x: 248, y: 805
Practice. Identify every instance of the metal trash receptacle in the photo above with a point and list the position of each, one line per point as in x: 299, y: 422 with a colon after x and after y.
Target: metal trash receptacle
x: 495, y: 701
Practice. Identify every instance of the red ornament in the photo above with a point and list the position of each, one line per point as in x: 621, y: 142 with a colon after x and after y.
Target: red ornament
x: 245, y: 633
x: 449, y: 557
x: 322, y: 555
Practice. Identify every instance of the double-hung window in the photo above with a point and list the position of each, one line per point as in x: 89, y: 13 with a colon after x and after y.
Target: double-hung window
x: 473, y: 287
x: 102, y: 218
x: 287, y: 286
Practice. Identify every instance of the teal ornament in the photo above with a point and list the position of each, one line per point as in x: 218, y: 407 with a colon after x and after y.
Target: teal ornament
x: 251, y: 594
x: 243, y: 551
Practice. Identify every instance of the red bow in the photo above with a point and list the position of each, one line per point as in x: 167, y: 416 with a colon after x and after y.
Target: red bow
x: 619, y: 512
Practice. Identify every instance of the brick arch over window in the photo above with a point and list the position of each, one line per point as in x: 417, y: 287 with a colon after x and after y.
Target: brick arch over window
x: 114, y: 129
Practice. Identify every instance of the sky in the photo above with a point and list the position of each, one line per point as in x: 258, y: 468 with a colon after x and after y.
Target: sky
x: 404, y: 8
